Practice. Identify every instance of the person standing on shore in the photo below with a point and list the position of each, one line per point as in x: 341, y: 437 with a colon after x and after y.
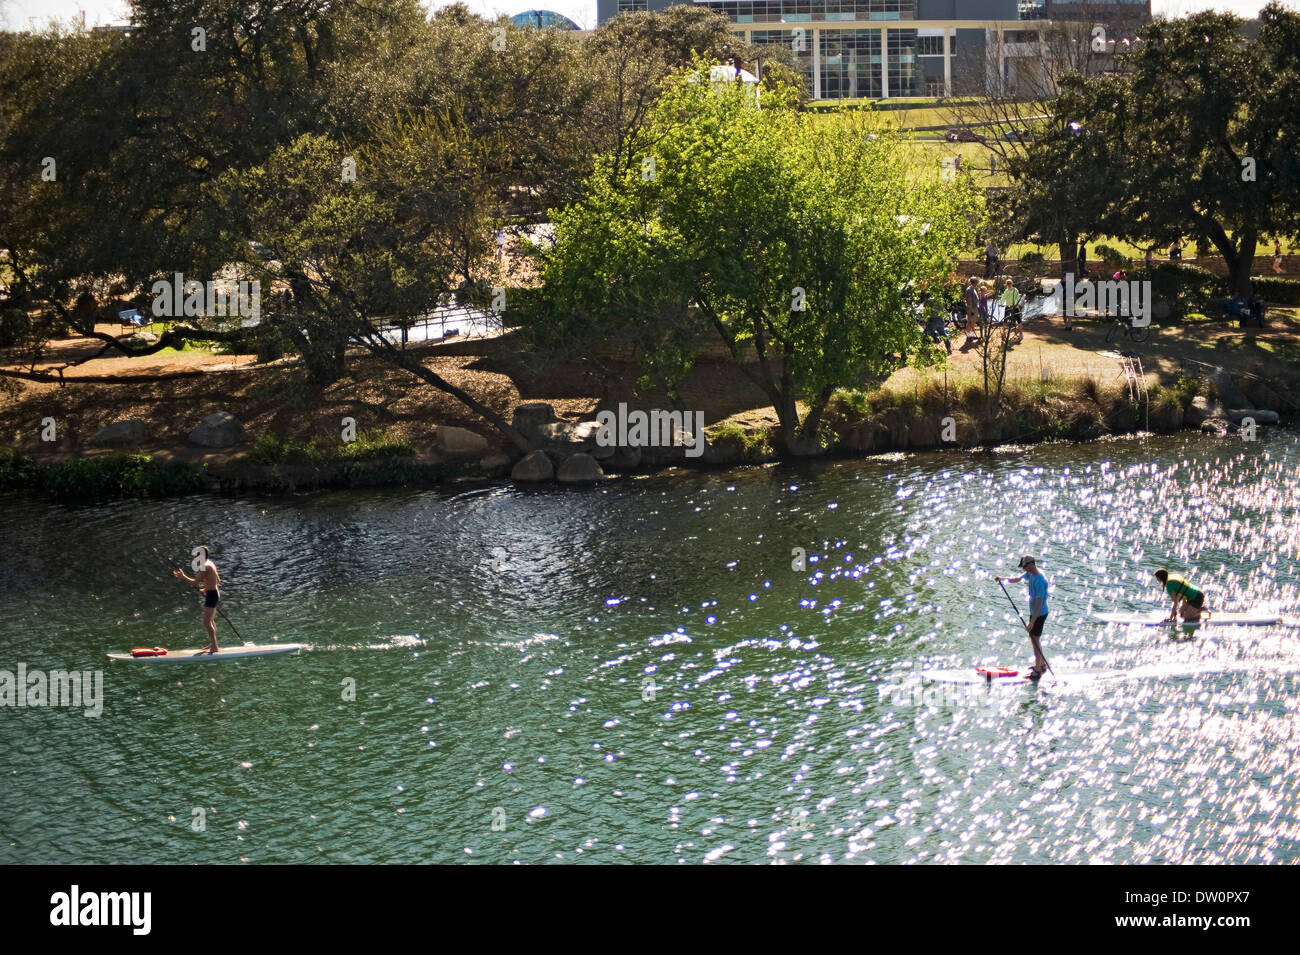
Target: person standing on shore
x: 991, y: 262
x: 1012, y: 303
x: 1037, y: 584
x: 208, y: 582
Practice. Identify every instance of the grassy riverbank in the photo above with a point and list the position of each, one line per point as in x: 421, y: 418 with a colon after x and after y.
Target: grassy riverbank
x: 1060, y: 385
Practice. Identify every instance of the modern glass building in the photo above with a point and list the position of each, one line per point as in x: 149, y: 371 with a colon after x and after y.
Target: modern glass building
x: 892, y: 48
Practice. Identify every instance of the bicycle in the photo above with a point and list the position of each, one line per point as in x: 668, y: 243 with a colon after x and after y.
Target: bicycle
x: 1137, y: 333
x: 1011, y: 318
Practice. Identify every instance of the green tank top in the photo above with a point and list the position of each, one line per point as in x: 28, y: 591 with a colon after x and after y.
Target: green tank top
x: 1175, y: 586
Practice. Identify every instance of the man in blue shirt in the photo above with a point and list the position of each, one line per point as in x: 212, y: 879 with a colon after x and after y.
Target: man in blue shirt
x: 1037, y: 584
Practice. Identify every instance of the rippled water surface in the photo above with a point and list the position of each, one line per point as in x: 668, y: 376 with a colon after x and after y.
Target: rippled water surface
x: 644, y: 673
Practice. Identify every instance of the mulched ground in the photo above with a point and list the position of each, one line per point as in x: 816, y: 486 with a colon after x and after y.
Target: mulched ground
x: 274, y: 398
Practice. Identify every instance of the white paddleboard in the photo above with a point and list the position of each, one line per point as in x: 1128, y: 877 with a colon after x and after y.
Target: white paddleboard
x: 1157, y: 618
x: 1076, y: 676
x: 968, y: 677
x: 225, y: 653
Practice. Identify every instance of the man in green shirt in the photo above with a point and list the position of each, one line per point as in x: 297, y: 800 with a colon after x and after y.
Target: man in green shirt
x: 1187, y: 599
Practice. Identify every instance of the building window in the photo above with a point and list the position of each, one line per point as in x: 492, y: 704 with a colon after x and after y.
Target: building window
x: 904, y: 77
x: 850, y: 64
x: 933, y: 45
x: 631, y: 6
x: 803, y: 11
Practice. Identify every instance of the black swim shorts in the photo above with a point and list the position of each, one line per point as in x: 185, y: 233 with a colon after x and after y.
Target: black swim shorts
x: 211, y: 598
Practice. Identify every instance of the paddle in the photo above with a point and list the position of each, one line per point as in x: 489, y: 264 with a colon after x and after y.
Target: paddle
x: 1026, y: 626
x: 242, y: 640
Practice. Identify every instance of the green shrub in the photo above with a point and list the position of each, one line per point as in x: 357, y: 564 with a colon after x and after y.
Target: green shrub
x: 1088, y: 389
x: 266, y: 449
x: 849, y: 401
x: 751, y: 444
x: 16, y: 469
x: 271, y: 449
x: 1278, y: 291
x: 1112, y: 257
x: 1165, y: 412
x: 1187, y: 387
x: 1187, y: 288
x: 375, y: 445
x: 270, y: 343
x: 1122, y: 414
x: 84, y: 480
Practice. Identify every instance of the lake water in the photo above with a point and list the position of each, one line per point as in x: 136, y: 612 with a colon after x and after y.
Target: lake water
x: 643, y: 672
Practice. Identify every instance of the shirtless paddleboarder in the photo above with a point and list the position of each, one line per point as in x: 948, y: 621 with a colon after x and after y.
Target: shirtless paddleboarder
x: 208, y: 581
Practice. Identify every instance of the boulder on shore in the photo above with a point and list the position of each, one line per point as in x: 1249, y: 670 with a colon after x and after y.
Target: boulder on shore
x: 530, y: 417
x: 459, y: 442
x: 533, y: 466
x: 1228, y: 390
x: 579, y: 469
x: 623, y: 459
x: 1219, y: 427
x: 121, y: 433
x: 570, y: 437
x: 220, y: 429
x: 1200, y: 410
x: 1258, y: 415
x: 496, y: 461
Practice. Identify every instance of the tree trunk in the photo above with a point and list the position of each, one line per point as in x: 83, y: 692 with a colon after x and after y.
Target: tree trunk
x: 809, y: 440
x: 1238, y: 253
x: 1239, y: 264
x: 1069, y: 250
x: 404, y: 360
x: 324, y: 365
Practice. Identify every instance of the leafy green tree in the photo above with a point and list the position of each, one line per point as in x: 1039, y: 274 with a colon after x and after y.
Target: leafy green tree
x: 1197, y: 134
x: 634, y: 55
x: 137, y: 126
x: 362, y: 256
x: 1064, y: 191
x: 764, y: 228
x: 50, y: 227
x: 1206, y: 106
x: 525, y: 89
